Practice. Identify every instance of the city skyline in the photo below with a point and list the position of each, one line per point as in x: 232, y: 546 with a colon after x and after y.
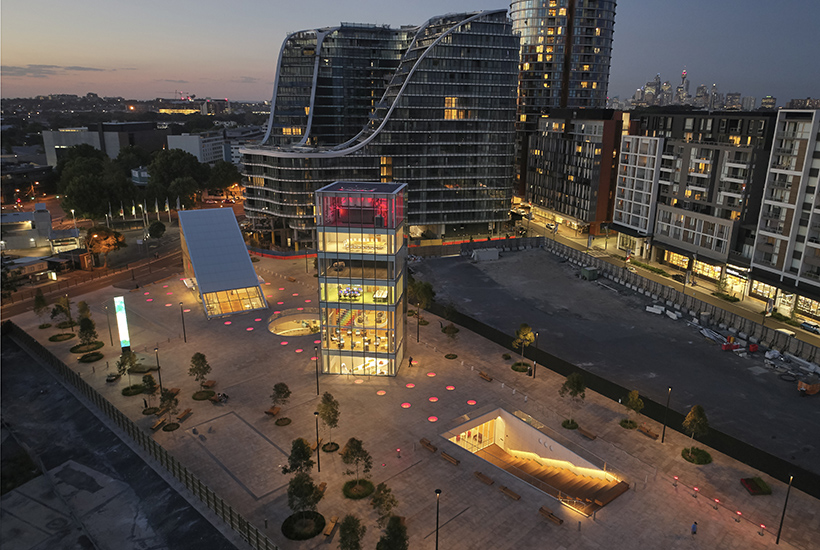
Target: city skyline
x: 93, y: 48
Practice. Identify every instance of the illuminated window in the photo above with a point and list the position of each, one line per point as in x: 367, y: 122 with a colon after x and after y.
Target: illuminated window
x: 523, y: 118
x: 525, y: 67
x: 550, y: 31
x: 307, y: 110
x: 294, y: 131
x: 562, y: 11
x: 539, y: 49
x: 734, y: 140
x: 585, y: 68
x: 598, y: 32
x: 584, y: 84
x: 451, y: 102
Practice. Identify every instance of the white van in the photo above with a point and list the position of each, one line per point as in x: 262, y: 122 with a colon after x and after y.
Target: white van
x: 785, y: 331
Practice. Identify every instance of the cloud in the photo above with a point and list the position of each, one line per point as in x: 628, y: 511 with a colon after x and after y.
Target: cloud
x: 41, y: 71
x: 247, y: 80
x: 174, y: 81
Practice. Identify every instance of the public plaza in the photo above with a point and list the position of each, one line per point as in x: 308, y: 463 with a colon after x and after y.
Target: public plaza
x: 237, y: 450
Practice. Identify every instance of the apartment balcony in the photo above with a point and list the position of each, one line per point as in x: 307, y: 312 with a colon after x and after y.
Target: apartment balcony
x: 813, y: 275
x: 788, y: 167
x: 785, y: 151
x: 810, y: 259
x: 733, y: 164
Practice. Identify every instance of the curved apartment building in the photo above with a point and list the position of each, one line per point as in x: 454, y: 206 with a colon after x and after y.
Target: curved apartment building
x: 431, y: 106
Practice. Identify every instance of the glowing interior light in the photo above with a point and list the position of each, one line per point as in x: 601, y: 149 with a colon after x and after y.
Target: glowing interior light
x: 122, y: 321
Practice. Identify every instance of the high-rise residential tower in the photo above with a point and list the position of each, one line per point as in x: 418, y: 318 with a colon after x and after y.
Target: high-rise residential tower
x: 432, y: 106
x: 565, y: 53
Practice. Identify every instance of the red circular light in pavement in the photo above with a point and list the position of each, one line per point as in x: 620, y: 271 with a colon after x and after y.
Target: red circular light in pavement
x: 405, y: 405
x: 471, y: 402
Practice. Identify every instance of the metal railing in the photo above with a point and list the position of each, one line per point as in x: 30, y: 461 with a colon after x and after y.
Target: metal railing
x: 250, y: 534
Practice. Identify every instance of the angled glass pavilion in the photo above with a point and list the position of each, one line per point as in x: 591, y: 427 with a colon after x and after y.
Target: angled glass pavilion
x: 362, y: 277
x: 216, y: 263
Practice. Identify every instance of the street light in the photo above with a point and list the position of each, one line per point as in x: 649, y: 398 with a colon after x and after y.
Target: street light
x: 316, y: 357
x: 318, y: 450
x: 182, y: 315
x: 535, y: 361
x: 779, y: 529
x: 438, y: 501
x: 666, y: 415
x: 108, y: 320
x: 159, y: 370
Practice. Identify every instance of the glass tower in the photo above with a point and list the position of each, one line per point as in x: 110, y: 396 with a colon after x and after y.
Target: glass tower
x: 432, y: 106
x: 362, y: 277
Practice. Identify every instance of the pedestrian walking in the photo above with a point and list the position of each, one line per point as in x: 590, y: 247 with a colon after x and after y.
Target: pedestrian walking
x: 695, y: 528
x: 411, y: 362
x: 144, y: 402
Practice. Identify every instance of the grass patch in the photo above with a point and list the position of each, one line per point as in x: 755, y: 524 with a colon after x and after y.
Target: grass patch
x: 284, y: 421
x: 784, y: 319
x: 62, y: 337
x: 91, y: 357
x: 411, y: 313
x: 727, y: 297
x: 150, y: 410
x: 66, y: 324
x: 506, y: 357
x: 696, y: 456
x: 330, y: 447
x: 45, y: 325
x: 520, y: 366
x: 136, y: 389
x: 648, y: 267
x: 303, y: 525
x: 569, y: 424
x: 450, y: 329
x: 142, y: 369
x: 170, y: 427
x: 450, y: 356
x: 203, y: 395
x: 357, y: 491
x: 85, y: 348
x: 628, y: 424
x: 18, y: 467
x: 423, y: 322
x: 756, y: 486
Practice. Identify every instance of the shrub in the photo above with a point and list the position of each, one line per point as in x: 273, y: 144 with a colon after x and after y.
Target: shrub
x: 170, y: 427
x: 648, y: 267
x: 506, y: 357
x: 628, y: 424
x: 303, y: 525
x: 66, y: 324
x: 450, y: 356
x: 91, y: 357
x: 521, y: 366
x: 85, y: 348
x: 696, y: 456
x: 569, y: 424
x: 727, y: 297
x: 136, y: 389
x: 756, y: 486
x: 284, y: 421
x: 424, y: 322
x: 202, y: 395
x: 450, y: 329
x: 45, y: 325
x: 331, y: 447
x: 62, y: 337
x: 150, y: 411
x: 356, y: 491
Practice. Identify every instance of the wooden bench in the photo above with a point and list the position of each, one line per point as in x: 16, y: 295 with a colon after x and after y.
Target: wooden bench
x: 291, y: 279
x: 586, y: 433
x: 157, y: 424
x: 208, y: 384
x: 485, y: 376
x: 160, y: 412
x: 330, y: 525
x: 273, y: 411
x: 513, y: 495
x: 183, y: 414
x: 174, y: 391
x: 316, y: 444
x: 452, y: 459
x: 427, y: 445
x: 322, y: 487
x: 214, y: 399
x: 484, y: 479
x: 547, y: 513
x: 647, y: 432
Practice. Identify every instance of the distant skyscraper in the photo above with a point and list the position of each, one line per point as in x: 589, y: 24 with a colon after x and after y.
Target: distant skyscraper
x: 565, y: 53
x: 768, y: 102
x: 431, y: 106
x: 732, y: 101
x: 748, y: 103
x: 702, y: 96
x: 682, y: 91
x: 807, y: 103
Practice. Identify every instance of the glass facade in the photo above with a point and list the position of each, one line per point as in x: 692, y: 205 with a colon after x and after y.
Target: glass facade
x: 362, y: 281
x: 430, y: 106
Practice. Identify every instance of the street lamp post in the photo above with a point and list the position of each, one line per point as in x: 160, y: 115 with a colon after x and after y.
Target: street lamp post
x: 438, y: 501
x: 159, y: 370
x: 666, y: 415
x: 535, y: 361
x: 108, y: 320
x: 318, y: 450
x: 779, y: 529
x: 316, y: 357
x: 182, y: 315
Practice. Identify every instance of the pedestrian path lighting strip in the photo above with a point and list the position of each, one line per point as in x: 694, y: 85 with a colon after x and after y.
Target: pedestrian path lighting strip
x: 122, y: 323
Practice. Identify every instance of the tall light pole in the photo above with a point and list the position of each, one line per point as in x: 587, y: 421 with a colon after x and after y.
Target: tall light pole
x: 74, y: 221
x: 666, y: 415
x: 779, y: 529
x: 318, y: 450
x: 316, y: 357
x: 159, y: 370
x: 108, y: 320
x: 535, y: 361
x: 438, y: 501
x: 182, y: 315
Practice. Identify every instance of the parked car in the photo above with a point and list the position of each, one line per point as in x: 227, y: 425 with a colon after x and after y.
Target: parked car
x: 811, y: 327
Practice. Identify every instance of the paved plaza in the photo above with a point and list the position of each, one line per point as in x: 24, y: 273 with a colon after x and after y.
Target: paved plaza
x: 238, y: 450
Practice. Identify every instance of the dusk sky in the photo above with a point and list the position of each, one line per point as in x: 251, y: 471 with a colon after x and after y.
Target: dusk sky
x: 150, y: 48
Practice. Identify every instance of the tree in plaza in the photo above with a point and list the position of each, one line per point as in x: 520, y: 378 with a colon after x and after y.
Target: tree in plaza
x: 329, y: 413
x: 62, y: 309
x: 696, y: 424
x: 199, y: 368
x: 575, y: 387
x: 300, y: 458
x: 156, y: 229
x: 168, y: 402
x: 127, y: 361
x: 40, y: 304
x: 633, y: 403
x: 280, y: 395
x: 359, y: 460
x: 88, y: 331
x: 422, y: 293
x: 351, y: 533
x: 150, y: 386
x: 303, y: 494
x: 83, y: 311
x: 383, y: 503
x: 223, y: 175
x: 395, y: 536
x: 524, y: 336
x: 104, y: 240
